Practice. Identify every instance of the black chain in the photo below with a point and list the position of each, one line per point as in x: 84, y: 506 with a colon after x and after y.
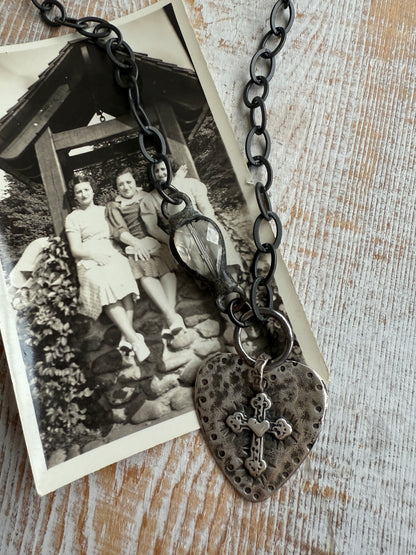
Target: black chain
x: 153, y: 143
x: 256, y: 102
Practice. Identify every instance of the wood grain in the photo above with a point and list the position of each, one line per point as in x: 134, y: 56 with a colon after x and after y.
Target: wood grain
x: 342, y: 113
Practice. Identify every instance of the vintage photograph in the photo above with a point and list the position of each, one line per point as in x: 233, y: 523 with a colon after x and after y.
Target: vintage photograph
x: 111, y: 329
x: 104, y: 331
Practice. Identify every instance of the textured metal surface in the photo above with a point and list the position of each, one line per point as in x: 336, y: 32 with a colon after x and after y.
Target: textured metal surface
x: 259, y: 439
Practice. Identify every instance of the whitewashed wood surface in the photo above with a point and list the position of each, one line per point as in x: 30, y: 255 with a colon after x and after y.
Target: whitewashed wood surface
x: 342, y: 120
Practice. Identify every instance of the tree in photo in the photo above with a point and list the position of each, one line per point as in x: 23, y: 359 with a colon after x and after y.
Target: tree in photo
x: 24, y: 216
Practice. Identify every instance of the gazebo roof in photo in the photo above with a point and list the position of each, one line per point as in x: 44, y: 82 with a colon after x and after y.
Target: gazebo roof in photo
x: 53, y: 116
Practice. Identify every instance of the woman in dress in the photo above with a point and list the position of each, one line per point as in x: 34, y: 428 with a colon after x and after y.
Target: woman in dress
x: 104, y: 274
x: 156, y: 222
x: 150, y: 260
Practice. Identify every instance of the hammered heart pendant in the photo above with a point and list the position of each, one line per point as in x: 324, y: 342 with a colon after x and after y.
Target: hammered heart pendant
x: 259, y: 436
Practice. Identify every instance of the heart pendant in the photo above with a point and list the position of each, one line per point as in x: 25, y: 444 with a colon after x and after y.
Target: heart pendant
x: 259, y: 435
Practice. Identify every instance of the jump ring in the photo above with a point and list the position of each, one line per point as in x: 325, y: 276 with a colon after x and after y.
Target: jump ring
x: 174, y: 198
x: 238, y: 322
x: 287, y: 330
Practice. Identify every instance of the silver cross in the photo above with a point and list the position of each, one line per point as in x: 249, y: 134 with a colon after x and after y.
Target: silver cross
x: 259, y: 425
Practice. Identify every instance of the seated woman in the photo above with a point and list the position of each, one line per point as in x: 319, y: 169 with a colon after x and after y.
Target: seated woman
x: 156, y: 222
x: 150, y: 260
x: 104, y: 274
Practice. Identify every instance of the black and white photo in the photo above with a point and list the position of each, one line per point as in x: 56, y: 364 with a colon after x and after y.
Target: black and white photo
x: 103, y: 329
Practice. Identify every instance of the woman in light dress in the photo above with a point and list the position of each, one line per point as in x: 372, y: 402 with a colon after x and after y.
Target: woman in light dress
x: 104, y: 274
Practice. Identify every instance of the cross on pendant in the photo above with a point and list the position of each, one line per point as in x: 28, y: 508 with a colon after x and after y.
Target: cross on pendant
x: 259, y: 425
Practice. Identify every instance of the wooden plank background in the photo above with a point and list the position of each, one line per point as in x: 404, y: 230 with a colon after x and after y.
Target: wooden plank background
x: 342, y: 121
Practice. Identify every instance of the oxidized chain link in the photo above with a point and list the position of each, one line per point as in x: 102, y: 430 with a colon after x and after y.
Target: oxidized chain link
x: 107, y: 36
x: 258, y: 131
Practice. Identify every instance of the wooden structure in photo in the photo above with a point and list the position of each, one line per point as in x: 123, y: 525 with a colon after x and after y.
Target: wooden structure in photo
x: 39, y: 135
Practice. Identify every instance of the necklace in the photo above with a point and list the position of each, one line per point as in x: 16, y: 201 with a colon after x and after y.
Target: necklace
x: 260, y: 413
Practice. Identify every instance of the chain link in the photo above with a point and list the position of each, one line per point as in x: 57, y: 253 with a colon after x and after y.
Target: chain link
x: 153, y: 143
x: 261, y: 293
